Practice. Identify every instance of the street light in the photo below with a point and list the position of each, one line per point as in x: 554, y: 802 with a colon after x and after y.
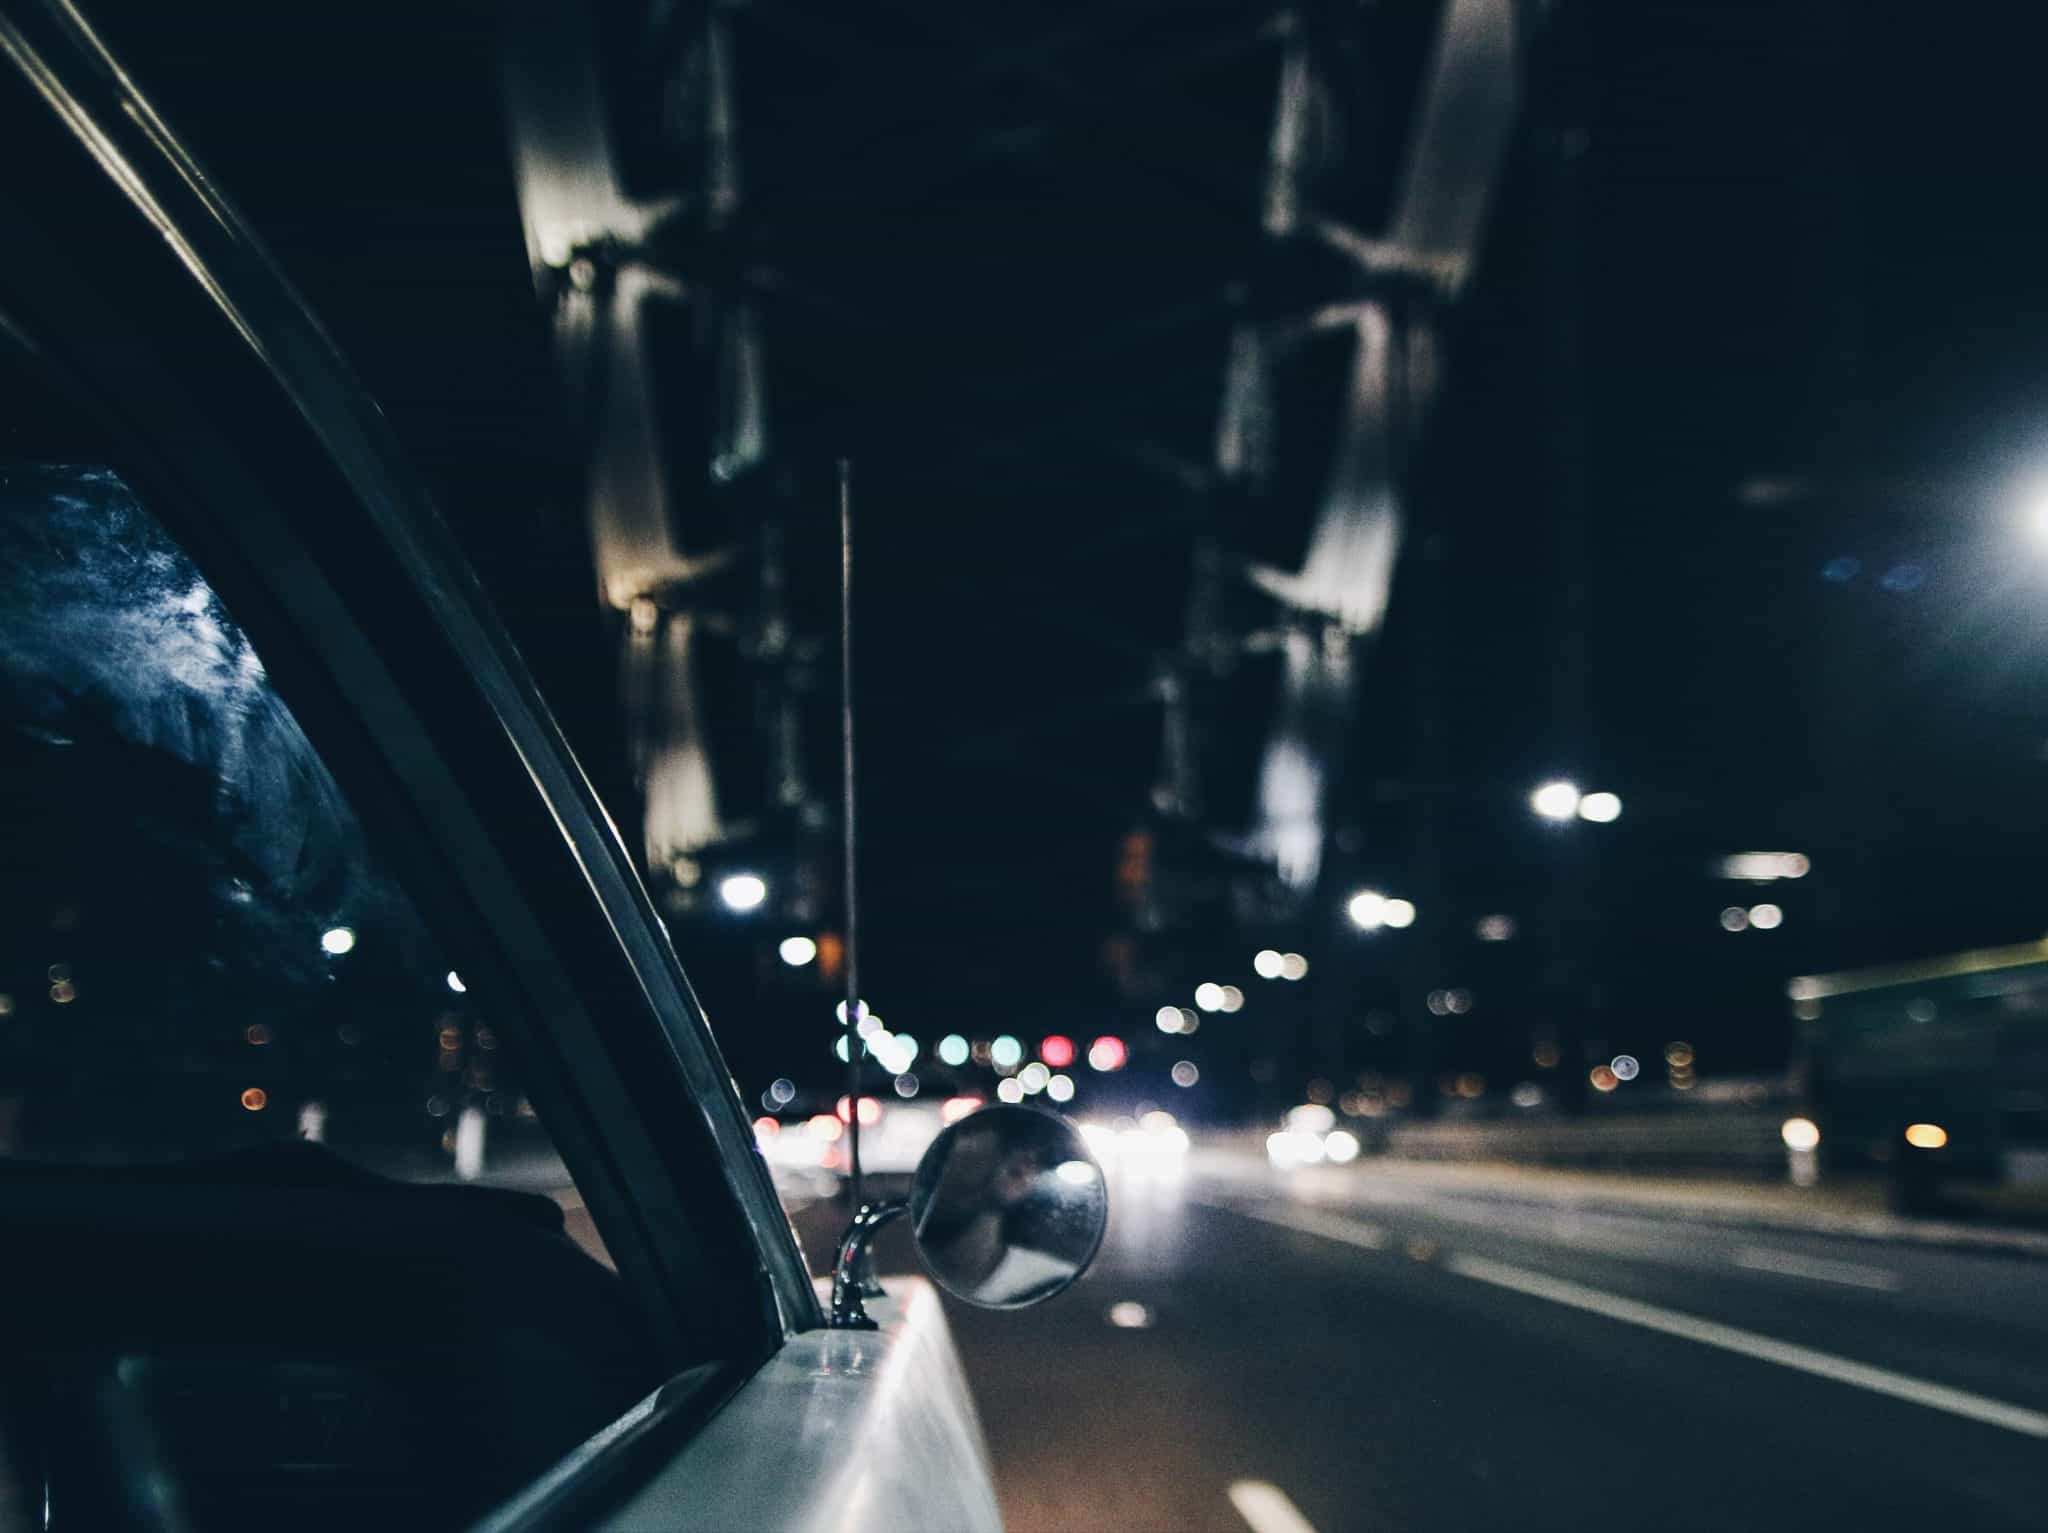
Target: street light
x: 1370, y: 910
x: 742, y: 891
x: 2034, y: 502
x: 1765, y: 867
x: 1561, y: 800
x: 1367, y: 909
x: 1600, y: 808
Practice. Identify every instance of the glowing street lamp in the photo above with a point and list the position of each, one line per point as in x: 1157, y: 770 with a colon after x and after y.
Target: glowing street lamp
x: 743, y: 891
x: 1370, y: 910
x: 2034, y: 511
x: 1560, y: 800
x: 1600, y: 808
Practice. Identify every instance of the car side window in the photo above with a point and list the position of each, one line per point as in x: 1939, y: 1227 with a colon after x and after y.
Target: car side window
x: 199, y: 951
x: 292, y: 1247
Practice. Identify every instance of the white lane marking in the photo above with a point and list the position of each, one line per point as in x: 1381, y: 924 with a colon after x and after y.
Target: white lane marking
x: 1309, y: 1222
x: 1899, y: 1386
x: 1642, y: 1246
x: 1669, y: 1249
x: 1767, y: 1349
x: 1266, y: 1507
x: 1819, y: 1268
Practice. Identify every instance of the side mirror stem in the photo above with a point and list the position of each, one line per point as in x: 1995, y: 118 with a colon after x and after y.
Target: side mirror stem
x: 853, y: 1277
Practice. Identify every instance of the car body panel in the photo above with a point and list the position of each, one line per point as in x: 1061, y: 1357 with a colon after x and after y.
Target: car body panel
x: 857, y: 1431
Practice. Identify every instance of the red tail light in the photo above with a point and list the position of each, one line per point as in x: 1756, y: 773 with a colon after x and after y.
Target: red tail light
x: 870, y: 1112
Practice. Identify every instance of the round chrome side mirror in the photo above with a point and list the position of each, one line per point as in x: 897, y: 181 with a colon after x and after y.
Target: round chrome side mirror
x: 1008, y: 1207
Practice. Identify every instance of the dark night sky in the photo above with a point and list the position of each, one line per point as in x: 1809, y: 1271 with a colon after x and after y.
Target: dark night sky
x: 1810, y: 263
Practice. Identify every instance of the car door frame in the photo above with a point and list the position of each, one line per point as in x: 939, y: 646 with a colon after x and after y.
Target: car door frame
x: 130, y: 278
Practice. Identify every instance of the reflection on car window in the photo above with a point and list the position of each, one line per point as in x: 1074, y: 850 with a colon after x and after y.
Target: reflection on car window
x: 198, y: 952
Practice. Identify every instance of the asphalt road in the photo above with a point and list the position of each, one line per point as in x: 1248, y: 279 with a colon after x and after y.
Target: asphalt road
x: 1331, y: 1350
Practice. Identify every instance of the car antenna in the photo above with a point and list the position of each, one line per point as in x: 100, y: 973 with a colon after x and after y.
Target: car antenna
x: 851, y: 1016
x: 853, y: 1277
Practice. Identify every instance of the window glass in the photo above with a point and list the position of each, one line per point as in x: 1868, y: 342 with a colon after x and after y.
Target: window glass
x: 199, y: 952
x: 299, y: 1251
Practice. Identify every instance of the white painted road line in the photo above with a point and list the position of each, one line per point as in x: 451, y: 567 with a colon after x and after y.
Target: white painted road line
x: 1820, y: 1269
x: 1614, y: 1240
x: 1308, y: 1221
x: 1266, y: 1507
x: 1824, y: 1365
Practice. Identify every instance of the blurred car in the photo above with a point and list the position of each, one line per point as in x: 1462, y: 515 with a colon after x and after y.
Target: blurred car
x: 894, y: 1138
x: 1151, y: 1146
x: 1310, y: 1137
x: 809, y: 1152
